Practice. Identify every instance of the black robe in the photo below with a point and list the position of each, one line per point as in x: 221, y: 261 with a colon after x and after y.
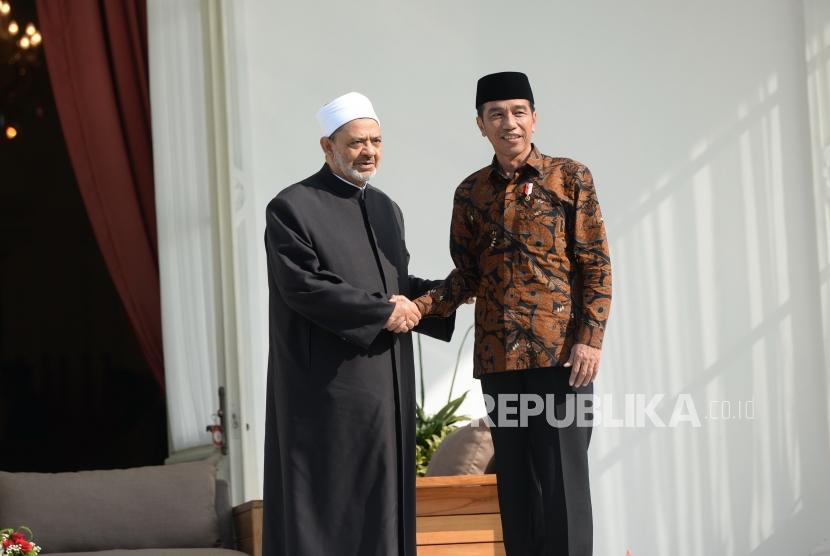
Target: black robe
x: 340, y: 423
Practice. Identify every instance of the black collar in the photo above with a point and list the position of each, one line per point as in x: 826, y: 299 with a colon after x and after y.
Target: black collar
x: 337, y: 186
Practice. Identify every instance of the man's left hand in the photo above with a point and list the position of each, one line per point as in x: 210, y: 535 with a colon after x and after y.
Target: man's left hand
x: 584, y: 363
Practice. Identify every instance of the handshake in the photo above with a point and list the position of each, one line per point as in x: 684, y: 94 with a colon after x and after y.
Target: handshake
x: 404, y: 317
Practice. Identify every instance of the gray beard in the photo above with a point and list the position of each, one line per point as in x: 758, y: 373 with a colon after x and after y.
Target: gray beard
x: 348, y: 170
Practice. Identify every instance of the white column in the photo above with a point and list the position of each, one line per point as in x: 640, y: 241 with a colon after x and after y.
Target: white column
x: 243, y: 250
x: 817, y: 52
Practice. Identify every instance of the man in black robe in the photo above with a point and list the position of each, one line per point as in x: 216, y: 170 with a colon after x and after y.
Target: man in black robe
x: 340, y: 419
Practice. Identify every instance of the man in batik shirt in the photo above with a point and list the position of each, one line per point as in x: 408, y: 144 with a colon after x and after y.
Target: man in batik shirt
x: 528, y: 241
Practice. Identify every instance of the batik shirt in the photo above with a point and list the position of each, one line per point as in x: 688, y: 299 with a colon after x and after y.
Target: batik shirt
x: 532, y: 250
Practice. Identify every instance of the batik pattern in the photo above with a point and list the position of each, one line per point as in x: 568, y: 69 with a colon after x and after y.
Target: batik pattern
x: 533, y: 252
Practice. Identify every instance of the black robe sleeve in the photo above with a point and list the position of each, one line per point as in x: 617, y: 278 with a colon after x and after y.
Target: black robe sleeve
x: 321, y: 296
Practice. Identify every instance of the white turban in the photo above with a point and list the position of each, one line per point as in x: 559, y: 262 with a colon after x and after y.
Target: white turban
x: 344, y: 109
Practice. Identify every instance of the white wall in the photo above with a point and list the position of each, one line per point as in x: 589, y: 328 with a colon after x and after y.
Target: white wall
x: 694, y: 120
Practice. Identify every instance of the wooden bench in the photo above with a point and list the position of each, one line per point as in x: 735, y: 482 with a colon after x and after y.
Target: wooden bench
x: 248, y: 518
x: 458, y: 516
x: 455, y: 516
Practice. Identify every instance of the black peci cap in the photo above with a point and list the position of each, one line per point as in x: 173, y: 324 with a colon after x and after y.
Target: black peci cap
x: 504, y: 85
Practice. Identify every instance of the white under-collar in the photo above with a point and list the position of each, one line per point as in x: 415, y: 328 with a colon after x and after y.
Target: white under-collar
x: 361, y: 187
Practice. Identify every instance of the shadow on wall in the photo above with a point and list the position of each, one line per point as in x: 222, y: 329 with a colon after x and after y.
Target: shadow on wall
x: 721, y: 263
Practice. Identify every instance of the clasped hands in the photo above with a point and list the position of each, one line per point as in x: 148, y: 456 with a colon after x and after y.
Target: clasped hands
x: 404, y: 317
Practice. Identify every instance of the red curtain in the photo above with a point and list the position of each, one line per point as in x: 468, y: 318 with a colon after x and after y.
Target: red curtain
x: 96, y: 53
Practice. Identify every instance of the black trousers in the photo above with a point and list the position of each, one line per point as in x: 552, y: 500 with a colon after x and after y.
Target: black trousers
x: 542, y: 469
